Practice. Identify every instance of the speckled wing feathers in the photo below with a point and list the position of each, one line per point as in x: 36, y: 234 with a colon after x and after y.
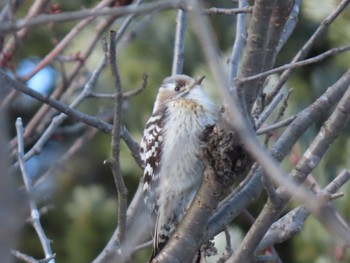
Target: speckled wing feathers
x: 150, y: 150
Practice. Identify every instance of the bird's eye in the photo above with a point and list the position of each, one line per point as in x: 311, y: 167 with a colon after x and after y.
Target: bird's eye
x: 177, y: 88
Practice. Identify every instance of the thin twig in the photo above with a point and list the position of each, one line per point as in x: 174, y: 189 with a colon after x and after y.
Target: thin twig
x: 293, y: 65
x: 179, y: 45
x: 143, y: 246
x: 78, y: 15
x: 78, y: 143
x: 279, y: 115
x: 276, y: 125
x: 283, y: 106
x: 237, y: 49
x: 29, y: 259
x: 34, y: 212
x: 267, y: 112
x: 311, y: 158
x: 72, y: 113
x: 293, y: 222
x: 117, y: 124
x: 38, y: 122
x: 126, y: 95
x: 64, y: 42
x: 61, y: 107
x: 290, y: 25
x: 13, y: 43
x: 229, y: 11
x: 302, y: 53
x: 58, y: 120
x: 228, y: 248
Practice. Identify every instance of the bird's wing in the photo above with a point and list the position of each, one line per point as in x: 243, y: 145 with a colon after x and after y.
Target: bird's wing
x: 150, y: 150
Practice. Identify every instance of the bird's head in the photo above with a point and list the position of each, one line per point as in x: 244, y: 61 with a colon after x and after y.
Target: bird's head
x: 177, y: 87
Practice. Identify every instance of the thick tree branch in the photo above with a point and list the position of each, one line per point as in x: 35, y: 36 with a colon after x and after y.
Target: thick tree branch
x: 185, y: 242
x: 267, y: 23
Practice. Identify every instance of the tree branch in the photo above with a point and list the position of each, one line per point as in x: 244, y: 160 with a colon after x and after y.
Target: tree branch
x: 307, y: 46
x: 267, y: 23
x: 77, y: 15
x: 236, y: 202
x: 179, y: 45
x: 327, y: 54
x: 185, y: 242
x: 117, y: 124
x: 34, y: 212
x: 238, y: 45
x: 293, y: 222
x: 28, y: 259
x: 306, y: 164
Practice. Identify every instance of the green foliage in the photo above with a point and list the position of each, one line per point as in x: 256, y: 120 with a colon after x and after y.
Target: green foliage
x: 92, y: 215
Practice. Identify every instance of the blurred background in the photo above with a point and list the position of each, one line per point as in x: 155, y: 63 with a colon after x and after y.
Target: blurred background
x: 79, y: 197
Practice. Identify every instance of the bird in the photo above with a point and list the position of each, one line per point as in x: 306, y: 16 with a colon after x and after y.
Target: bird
x: 170, y: 150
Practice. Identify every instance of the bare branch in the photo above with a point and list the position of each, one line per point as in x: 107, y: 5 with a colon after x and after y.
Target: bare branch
x: 306, y: 164
x: 28, y: 259
x: 276, y: 125
x: 38, y: 122
x: 308, y: 45
x: 72, y: 113
x: 267, y: 112
x: 12, y: 44
x: 34, y: 212
x: 80, y: 142
x: 290, y: 25
x: 179, y: 45
x: 58, y: 120
x: 235, y: 203
x: 240, y: 124
x: 90, y: 120
x: 143, y: 246
x: 228, y: 247
x: 293, y: 222
x: 117, y: 124
x: 133, y: 146
x: 229, y: 11
x: 126, y: 95
x: 237, y: 49
x: 64, y: 42
x: 292, y: 65
x: 77, y: 15
x: 260, y: 53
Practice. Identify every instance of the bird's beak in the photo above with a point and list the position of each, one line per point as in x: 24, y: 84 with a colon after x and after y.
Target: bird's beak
x: 197, y: 82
